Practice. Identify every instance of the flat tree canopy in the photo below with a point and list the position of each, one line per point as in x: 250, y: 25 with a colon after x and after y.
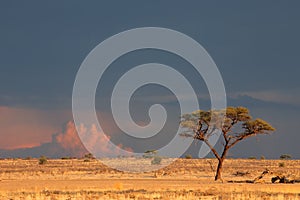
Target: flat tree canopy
x: 234, y: 123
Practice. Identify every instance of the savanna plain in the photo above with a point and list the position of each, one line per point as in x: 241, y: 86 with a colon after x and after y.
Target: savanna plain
x: 182, y: 179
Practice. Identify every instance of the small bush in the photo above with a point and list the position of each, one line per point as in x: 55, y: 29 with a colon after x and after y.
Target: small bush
x: 188, y: 156
x: 281, y: 164
x: 156, y: 160
x: 150, y: 154
x: 66, y: 158
x: 252, y: 158
x: 285, y: 156
x: 89, y: 156
x: 42, y: 160
x: 262, y: 157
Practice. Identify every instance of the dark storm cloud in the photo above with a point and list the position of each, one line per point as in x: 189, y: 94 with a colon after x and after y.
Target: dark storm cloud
x: 43, y: 44
x: 255, y: 44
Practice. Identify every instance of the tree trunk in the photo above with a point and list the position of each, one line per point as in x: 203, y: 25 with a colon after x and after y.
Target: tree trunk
x: 219, y: 170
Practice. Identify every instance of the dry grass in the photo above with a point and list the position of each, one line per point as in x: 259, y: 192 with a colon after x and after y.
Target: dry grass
x: 183, y: 179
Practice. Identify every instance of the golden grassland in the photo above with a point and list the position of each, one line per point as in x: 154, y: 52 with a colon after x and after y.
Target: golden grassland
x: 183, y: 179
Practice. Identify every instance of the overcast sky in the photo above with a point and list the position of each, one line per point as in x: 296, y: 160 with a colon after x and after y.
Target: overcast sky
x: 255, y: 45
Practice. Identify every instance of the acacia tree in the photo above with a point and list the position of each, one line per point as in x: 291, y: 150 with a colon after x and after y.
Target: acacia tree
x: 234, y: 123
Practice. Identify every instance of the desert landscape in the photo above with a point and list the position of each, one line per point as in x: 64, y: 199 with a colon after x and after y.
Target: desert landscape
x: 149, y: 100
x: 183, y: 179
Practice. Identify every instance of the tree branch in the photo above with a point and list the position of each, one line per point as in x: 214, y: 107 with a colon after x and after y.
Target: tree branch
x: 225, y: 136
x: 212, y: 149
x: 240, y: 138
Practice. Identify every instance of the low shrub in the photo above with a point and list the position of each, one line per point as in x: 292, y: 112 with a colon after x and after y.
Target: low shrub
x: 285, y: 156
x: 66, y: 158
x: 281, y: 164
x: 89, y: 156
x: 156, y: 160
x: 42, y: 160
x: 150, y: 154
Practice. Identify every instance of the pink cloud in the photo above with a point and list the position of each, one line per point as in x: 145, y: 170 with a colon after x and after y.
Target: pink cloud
x: 99, y: 143
x: 22, y: 127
